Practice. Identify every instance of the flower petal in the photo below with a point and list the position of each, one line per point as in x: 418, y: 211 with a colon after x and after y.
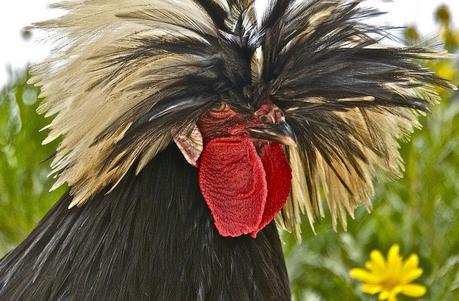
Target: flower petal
x: 394, y: 253
x: 394, y: 261
x: 364, y: 276
x: 392, y: 297
x: 394, y: 292
x: 384, y: 295
x: 371, y: 288
x: 414, y: 290
x: 410, y: 275
x: 411, y: 263
x: 377, y: 261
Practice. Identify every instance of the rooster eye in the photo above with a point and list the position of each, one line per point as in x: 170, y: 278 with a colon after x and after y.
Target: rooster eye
x: 220, y: 107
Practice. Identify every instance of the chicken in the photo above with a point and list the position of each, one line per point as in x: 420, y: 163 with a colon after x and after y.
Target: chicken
x: 192, y: 129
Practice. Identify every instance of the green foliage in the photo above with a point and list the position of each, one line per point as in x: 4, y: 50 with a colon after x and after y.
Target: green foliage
x: 24, y: 185
x: 420, y: 212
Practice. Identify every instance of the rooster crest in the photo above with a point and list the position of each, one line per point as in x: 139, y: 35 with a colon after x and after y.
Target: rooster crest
x: 130, y: 77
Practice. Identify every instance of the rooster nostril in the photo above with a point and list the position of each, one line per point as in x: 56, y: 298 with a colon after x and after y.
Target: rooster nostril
x: 264, y: 119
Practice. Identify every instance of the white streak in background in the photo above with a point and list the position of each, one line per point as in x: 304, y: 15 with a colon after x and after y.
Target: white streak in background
x: 15, y: 52
x: 16, y: 14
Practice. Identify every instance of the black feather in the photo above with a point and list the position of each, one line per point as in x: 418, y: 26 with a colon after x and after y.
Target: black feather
x: 152, y: 238
x: 215, y: 12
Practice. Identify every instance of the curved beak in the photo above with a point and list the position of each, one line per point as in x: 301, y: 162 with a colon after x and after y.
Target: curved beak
x: 280, y: 132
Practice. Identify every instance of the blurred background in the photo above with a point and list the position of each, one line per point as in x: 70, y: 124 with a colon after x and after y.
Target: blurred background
x: 419, y: 212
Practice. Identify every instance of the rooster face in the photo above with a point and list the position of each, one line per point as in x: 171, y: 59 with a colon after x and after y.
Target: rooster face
x: 266, y: 124
x: 244, y: 174
x: 313, y: 104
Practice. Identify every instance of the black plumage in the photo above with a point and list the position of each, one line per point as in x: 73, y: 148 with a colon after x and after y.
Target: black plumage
x: 152, y: 238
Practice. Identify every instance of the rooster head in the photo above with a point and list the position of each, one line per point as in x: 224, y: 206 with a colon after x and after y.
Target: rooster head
x: 278, y: 111
x: 244, y: 174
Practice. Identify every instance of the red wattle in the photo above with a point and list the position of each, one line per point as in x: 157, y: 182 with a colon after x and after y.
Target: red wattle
x: 233, y: 182
x: 279, y: 180
x: 243, y: 191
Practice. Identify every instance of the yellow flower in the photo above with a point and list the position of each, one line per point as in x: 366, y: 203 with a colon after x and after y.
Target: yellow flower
x: 390, y: 277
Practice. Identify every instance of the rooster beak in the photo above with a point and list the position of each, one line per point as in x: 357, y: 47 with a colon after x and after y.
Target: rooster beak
x: 280, y: 132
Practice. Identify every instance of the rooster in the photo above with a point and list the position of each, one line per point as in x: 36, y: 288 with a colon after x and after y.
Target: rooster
x: 192, y: 129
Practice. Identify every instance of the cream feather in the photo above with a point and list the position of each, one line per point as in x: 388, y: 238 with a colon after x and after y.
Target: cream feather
x: 86, y: 95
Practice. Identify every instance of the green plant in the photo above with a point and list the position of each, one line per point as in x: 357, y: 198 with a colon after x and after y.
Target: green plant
x: 24, y: 182
x: 420, y: 212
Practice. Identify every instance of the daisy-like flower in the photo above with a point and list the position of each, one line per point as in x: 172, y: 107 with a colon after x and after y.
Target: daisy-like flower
x: 390, y: 277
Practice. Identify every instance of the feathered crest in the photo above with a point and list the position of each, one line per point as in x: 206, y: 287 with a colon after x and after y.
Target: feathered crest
x: 129, y: 76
